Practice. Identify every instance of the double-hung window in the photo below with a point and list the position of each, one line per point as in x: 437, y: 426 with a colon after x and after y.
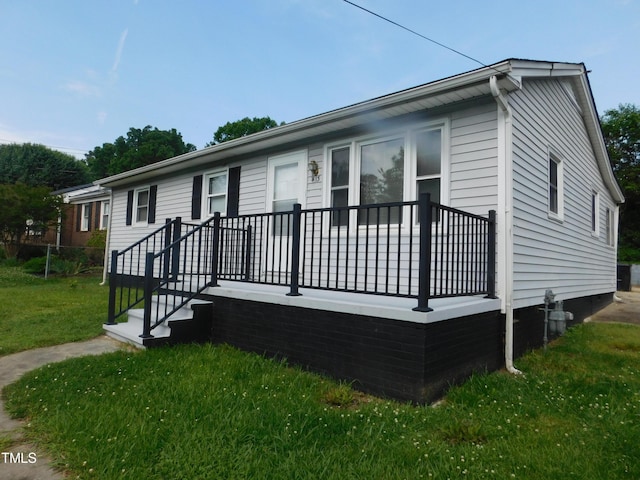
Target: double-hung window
x: 215, y: 190
x: 555, y: 187
x: 609, y: 227
x: 384, y: 170
x: 105, y: 211
x: 595, y: 214
x: 86, y: 217
x: 340, y: 158
x: 141, y: 210
x: 429, y: 163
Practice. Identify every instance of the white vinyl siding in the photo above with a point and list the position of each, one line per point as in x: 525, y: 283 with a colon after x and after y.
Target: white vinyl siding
x: 562, y: 256
x: 473, y: 165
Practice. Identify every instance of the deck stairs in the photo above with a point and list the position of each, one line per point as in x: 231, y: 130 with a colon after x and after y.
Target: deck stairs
x: 190, y: 324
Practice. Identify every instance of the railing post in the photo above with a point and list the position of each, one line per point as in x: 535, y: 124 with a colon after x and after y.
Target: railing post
x: 247, y: 253
x: 491, y: 256
x: 175, y: 251
x: 424, y: 259
x: 166, y: 263
x: 214, y: 250
x: 295, y: 251
x: 113, y: 276
x: 148, y: 295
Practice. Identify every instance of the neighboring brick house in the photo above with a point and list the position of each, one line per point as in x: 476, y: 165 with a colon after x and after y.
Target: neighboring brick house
x: 86, y: 209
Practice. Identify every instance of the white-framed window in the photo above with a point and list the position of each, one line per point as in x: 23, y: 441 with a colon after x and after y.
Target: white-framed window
x: 595, y: 213
x: 387, y: 169
x: 215, y: 192
x: 141, y: 205
x: 339, y: 159
x: 429, y: 163
x: 609, y: 219
x: 105, y: 211
x: 555, y: 186
x: 85, y: 218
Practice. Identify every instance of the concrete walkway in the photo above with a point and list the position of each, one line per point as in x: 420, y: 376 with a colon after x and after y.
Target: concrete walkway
x: 22, y: 461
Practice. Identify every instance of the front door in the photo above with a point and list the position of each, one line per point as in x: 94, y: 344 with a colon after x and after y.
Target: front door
x: 286, y: 186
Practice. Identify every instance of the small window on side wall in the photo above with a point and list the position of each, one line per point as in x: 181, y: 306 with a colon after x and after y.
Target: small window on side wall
x: 609, y: 218
x: 555, y: 187
x: 595, y: 213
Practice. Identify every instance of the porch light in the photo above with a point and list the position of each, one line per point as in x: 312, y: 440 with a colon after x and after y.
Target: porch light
x: 314, y: 168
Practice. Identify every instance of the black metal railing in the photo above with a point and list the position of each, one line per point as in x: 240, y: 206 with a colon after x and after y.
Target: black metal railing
x: 126, y: 271
x: 416, y: 249
x: 374, y: 249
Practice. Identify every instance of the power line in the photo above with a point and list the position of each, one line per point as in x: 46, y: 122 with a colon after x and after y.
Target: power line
x: 416, y: 33
x: 68, y: 149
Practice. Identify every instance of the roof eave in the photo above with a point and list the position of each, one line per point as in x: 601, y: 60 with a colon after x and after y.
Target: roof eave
x: 274, y: 136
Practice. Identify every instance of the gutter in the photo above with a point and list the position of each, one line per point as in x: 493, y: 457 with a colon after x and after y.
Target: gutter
x: 105, y: 264
x: 505, y: 237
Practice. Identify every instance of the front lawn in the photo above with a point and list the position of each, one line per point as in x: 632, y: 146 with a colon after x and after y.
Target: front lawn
x: 35, y: 312
x: 211, y: 412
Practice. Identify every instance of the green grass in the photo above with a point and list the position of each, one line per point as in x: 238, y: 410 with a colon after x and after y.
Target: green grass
x: 35, y: 312
x: 209, y: 412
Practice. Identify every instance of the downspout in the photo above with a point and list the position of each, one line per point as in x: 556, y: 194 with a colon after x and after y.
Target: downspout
x: 105, y: 266
x: 506, y: 240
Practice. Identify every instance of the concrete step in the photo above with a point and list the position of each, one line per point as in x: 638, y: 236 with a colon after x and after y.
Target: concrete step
x: 130, y: 331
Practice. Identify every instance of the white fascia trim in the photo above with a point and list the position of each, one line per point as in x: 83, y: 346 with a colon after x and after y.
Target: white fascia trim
x: 256, y: 140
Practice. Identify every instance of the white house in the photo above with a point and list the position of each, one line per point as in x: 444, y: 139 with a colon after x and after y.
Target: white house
x: 320, y: 252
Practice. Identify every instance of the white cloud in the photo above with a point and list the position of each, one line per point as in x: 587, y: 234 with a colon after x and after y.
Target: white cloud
x: 102, y: 117
x: 123, y: 39
x: 83, y: 89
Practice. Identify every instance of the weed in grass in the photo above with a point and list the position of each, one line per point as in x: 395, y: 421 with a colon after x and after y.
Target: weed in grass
x: 5, y: 443
x: 340, y: 395
x: 463, y: 431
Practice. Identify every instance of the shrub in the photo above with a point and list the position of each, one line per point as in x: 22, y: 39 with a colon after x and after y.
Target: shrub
x: 96, y: 245
x: 57, y: 265
x: 27, y: 252
x: 35, y: 265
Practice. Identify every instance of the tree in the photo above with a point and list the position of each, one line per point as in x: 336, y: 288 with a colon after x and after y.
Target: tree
x: 26, y: 209
x: 621, y: 129
x: 140, y: 147
x: 242, y: 128
x: 37, y: 165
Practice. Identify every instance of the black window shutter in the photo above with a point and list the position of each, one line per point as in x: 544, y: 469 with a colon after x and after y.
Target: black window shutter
x: 89, y: 206
x: 233, y: 192
x: 129, y: 207
x: 196, y: 198
x: 96, y: 216
x: 78, y: 216
x: 153, y: 193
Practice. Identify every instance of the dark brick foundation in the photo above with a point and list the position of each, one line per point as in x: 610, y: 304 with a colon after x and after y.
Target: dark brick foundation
x: 529, y: 326
x: 391, y: 358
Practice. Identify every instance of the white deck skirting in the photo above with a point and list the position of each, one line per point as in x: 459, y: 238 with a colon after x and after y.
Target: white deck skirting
x: 394, y: 308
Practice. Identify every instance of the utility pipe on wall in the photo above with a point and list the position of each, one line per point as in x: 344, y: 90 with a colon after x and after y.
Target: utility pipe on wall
x: 504, y: 149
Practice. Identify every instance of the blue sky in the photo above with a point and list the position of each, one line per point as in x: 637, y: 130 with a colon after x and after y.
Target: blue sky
x: 75, y: 74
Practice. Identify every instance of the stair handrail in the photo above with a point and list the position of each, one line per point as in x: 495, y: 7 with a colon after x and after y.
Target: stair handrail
x: 115, y: 279
x: 161, y: 288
